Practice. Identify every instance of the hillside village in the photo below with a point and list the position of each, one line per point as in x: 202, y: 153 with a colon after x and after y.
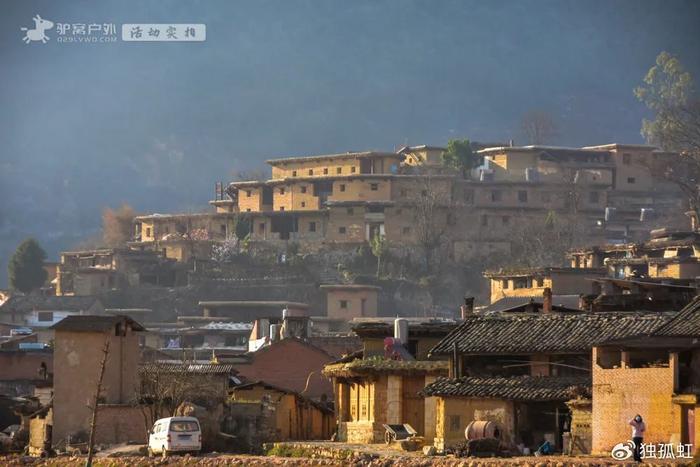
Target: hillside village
x: 337, y: 301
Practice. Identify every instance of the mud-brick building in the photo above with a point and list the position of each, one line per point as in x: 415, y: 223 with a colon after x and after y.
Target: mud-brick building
x: 78, y: 345
x: 293, y: 416
x: 381, y: 383
x: 655, y: 374
x: 529, y: 283
x: 90, y: 272
x: 520, y: 369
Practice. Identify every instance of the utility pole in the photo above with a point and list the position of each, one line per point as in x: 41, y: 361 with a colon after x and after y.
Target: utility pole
x: 98, y: 391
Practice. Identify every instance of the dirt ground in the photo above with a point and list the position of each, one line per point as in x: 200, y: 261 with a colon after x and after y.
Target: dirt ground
x: 259, y: 461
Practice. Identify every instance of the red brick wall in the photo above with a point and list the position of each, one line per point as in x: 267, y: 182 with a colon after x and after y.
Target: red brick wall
x: 287, y: 364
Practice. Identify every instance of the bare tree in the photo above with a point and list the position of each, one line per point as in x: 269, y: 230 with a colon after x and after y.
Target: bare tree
x: 117, y: 225
x: 430, y: 211
x: 95, y: 401
x: 541, y: 242
x: 256, y: 174
x: 163, y: 387
x: 538, y: 127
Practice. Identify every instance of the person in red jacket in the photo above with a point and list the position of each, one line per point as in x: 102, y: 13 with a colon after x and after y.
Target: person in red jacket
x: 638, y: 428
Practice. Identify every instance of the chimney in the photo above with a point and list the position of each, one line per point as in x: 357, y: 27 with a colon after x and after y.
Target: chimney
x: 468, y: 307
x: 547, y: 300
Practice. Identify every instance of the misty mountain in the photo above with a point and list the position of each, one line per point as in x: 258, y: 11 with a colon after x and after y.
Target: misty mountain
x: 84, y: 126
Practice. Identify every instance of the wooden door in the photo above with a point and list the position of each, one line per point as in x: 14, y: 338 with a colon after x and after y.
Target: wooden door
x: 412, y: 405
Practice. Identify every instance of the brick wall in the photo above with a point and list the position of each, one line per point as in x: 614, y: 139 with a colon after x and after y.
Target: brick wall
x: 120, y: 424
x: 621, y: 393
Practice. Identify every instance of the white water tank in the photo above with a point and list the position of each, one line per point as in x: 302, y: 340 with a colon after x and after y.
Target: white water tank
x: 401, y: 330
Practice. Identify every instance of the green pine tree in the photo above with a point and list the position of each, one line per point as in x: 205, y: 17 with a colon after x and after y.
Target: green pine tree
x: 26, y: 267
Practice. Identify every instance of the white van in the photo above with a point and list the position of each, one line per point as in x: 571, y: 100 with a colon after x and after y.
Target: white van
x: 175, y: 434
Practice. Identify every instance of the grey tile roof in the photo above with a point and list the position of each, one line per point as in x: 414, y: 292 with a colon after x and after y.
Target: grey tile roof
x: 521, y: 388
x: 545, y: 332
x: 512, y: 303
x: 93, y: 323
x: 27, y: 303
x: 685, y: 324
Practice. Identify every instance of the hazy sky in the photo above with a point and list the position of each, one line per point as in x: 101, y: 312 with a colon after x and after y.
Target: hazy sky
x: 83, y: 126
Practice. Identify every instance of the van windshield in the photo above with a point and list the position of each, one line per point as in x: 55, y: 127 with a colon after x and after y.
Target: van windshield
x: 184, y: 426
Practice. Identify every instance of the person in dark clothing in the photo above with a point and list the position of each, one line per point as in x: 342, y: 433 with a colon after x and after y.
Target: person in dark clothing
x: 638, y: 429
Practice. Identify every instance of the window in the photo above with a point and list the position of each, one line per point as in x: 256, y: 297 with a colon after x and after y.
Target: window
x: 311, y: 171
x: 351, y: 211
x: 222, y: 228
x: 455, y: 423
x: 294, y: 173
x: 469, y: 196
x: 303, y: 188
x: 281, y: 191
x: 247, y: 193
x: 404, y: 192
x: 303, y: 204
x: 484, y: 220
x: 312, y: 227
x: 505, y: 220
x: 522, y: 196
x: 522, y: 283
x: 373, y: 186
x: 495, y: 195
x: 341, y: 230
x: 45, y: 316
x: 626, y: 158
x: 325, y: 171
x: 342, y: 187
x: 339, y: 170
x: 593, y: 197
x: 631, y: 180
x: 281, y: 208
x: 344, y: 304
x: 261, y: 227
x: 148, y: 231
x: 406, y: 231
x: 504, y: 283
x: 247, y: 209
x: 352, y: 169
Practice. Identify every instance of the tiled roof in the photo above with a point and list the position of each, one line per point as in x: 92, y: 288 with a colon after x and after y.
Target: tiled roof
x: 93, y: 323
x: 193, y: 368
x: 685, y: 324
x: 545, y: 332
x: 511, y: 303
x: 27, y: 303
x: 521, y: 388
